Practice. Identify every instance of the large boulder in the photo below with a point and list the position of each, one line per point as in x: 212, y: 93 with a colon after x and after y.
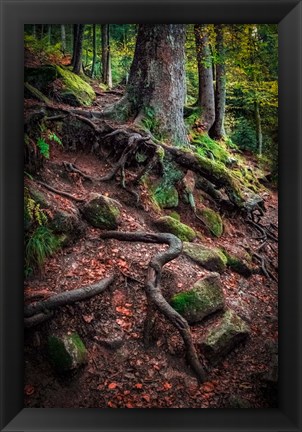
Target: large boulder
x: 101, y: 212
x: 66, y: 352
x: 173, y: 226
x: 225, y: 336
x: 210, y: 258
x: 204, y: 298
x: 60, y: 83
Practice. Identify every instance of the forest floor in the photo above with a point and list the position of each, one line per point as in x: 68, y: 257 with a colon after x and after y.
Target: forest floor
x: 124, y: 374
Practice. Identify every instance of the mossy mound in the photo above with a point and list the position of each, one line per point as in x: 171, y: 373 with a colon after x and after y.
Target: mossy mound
x: 212, y: 221
x: 54, y: 80
x: 210, y: 258
x: 239, y: 262
x: 173, y: 226
x: 101, y: 212
x: 66, y: 352
x: 204, y: 298
x: 221, y: 339
x: 67, y: 223
x: 165, y: 196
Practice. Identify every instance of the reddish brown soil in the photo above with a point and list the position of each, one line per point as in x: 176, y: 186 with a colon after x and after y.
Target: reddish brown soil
x: 131, y: 376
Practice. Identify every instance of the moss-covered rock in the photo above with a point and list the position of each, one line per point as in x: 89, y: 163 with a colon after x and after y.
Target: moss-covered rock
x: 101, y: 212
x: 31, y: 91
x: 204, y: 298
x: 239, y: 262
x: 210, y: 258
x: 66, y: 352
x: 221, y: 339
x: 67, y: 223
x: 212, y: 221
x: 173, y: 226
x: 54, y: 81
x: 175, y: 215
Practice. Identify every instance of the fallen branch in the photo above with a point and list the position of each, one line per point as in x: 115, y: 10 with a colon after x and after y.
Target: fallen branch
x: 67, y: 297
x: 37, y: 319
x: 153, y: 291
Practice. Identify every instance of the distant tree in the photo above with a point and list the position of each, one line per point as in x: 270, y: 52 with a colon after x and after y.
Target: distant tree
x: 93, y: 50
x: 206, y: 99
x: 217, y: 130
x: 106, y: 61
x: 78, y: 49
x: 63, y: 38
x: 156, y: 85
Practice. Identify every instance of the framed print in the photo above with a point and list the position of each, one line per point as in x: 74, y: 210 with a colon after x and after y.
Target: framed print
x: 150, y: 171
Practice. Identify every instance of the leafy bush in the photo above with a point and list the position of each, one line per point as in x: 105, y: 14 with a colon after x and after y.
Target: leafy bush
x: 244, y: 134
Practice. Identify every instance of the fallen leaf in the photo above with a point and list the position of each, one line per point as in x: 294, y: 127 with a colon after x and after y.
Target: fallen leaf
x: 29, y: 390
x: 112, y: 385
x: 138, y: 385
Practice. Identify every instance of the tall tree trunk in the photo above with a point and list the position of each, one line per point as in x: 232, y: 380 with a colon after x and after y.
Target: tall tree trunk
x: 74, y: 45
x: 217, y: 130
x: 205, y: 74
x: 49, y: 34
x: 93, y: 49
x: 106, y: 62
x: 258, y: 128
x: 63, y: 38
x: 34, y: 30
x: 156, y: 86
x: 42, y: 31
x: 77, y: 66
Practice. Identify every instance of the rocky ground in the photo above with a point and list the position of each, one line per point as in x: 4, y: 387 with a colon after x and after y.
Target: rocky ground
x: 120, y: 372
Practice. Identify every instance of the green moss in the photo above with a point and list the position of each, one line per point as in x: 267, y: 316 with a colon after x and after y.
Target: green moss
x: 204, y: 298
x: 207, y: 147
x: 66, y: 352
x: 238, y: 264
x: 165, y: 196
x: 211, y: 259
x: 102, y: 212
x: 75, y: 89
x: 59, y: 356
x: 173, y: 226
x: 212, y: 221
x: 175, y: 215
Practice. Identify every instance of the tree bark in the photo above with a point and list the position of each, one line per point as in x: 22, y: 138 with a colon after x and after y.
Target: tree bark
x: 156, y: 86
x: 93, y: 49
x: 49, y: 34
x: 75, y: 36
x: 217, y: 130
x: 106, y: 61
x: 206, y: 99
x: 77, y: 66
x: 63, y: 38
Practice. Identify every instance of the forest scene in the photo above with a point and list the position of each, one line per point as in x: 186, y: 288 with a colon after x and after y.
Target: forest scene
x: 151, y: 215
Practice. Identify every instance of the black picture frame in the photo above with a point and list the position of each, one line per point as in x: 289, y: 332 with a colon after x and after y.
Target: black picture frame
x: 16, y: 13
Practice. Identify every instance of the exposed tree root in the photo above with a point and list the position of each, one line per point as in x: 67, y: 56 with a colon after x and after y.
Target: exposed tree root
x: 66, y: 297
x: 72, y: 168
x: 58, y: 192
x: 37, y: 319
x: 153, y: 291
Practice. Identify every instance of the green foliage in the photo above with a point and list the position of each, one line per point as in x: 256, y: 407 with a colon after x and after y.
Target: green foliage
x: 244, y: 135
x: 43, y: 146
x: 53, y: 137
x: 39, y: 245
x: 33, y: 214
x: 152, y: 123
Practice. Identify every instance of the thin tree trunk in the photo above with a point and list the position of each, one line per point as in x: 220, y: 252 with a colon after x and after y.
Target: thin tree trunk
x: 93, y: 50
x: 49, y: 34
x: 77, y: 67
x: 258, y: 128
x: 34, y: 30
x: 42, y: 31
x: 205, y: 73
x: 63, y: 38
x: 217, y: 130
x: 106, y: 66
x: 74, y: 46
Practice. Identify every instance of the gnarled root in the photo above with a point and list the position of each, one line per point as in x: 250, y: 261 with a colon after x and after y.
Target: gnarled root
x: 153, y: 291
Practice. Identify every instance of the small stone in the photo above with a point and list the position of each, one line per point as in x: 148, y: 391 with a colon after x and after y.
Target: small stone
x: 173, y: 226
x: 212, y: 221
x: 210, y: 258
x: 67, y: 352
x: 204, y: 298
x: 101, y: 212
x: 224, y: 337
